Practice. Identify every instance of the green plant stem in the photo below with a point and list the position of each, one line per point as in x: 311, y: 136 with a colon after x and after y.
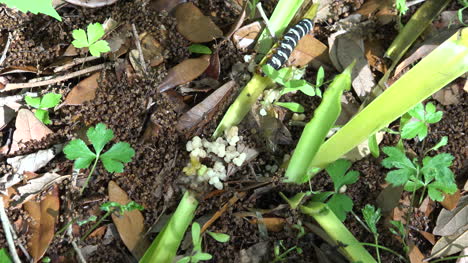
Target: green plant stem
x: 65, y: 227
x: 376, y: 240
x: 386, y: 249
x: 97, y: 224
x: 90, y: 173
x: 448, y: 258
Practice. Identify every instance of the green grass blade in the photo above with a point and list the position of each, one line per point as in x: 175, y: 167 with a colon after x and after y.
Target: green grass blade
x: 164, y: 247
x: 316, y: 130
x: 440, y: 67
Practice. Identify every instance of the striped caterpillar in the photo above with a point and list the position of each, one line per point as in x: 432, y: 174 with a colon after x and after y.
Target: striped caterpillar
x: 289, y: 42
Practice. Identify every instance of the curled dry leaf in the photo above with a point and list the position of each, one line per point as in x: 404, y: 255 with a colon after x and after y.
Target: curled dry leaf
x: 194, y: 26
x: 449, y: 245
x: 184, y: 72
x: 382, y: 10
x: 130, y: 225
x: 449, y: 95
x: 310, y: 50
x: 165, y: 5
x: 85, y: 90
x: 202, y: 113
x: 451, y: 201
x: 245, y: 36
x: 35, y: 186
x: 214, y: 69
x: 44, y: 216
x: 152, y: 50
x: 91, y: 3
x: 415, y: 254
x: 28, y: 128
x: 452, y: 222
x: 273, y: 224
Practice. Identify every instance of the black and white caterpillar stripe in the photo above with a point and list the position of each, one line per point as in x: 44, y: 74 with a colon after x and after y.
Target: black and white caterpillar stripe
x: 289, y: 42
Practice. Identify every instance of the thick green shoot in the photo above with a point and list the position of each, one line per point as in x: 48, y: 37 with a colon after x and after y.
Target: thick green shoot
x: 317, y: 129
x: 446, y: 63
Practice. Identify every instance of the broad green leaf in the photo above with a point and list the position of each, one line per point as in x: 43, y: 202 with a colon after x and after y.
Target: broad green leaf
x: 411, y: 186
x: 396, y: 159
x: 95, y: 32
x: 220, y: 237
x: 292, y: 106
x: 200, y: 49
x: 399, y: 177
x: 372, y: 217
x: 50, y: 100
x: 99, y: 47
x: 196, y: 234
x: 320, y: 77
x: 443, y: 141
x: 201, y: 256
x: 417, y: 112
x: 43, y: 116
x: 413, y: 129
x: 437, y: 167
x: 340, y: 204
x: 99, y: 136
x: 298, y: 84
x: 430, y: 108
x: 184, y: 260
x: 4, y: 256
x: 81, y: 40
x: 33, y: 101
x: 337, y: 172
x: 36, y: 6
x: 434, y: 117
x: 116, y: 156
x: 77, y: 150
x: 436, y: 190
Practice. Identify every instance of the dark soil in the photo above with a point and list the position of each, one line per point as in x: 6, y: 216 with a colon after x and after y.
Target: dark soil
x: 152, y: 178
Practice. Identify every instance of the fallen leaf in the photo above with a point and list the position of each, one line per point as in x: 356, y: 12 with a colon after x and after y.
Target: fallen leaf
x: 310, y: 50
x: 400, y: 212
x: 463, y: 256
x: 28, y: 128
x: 44, y: 216
x: 273, y: 224
x: 166, y: 5
x: 184, y: 72
x: 451, y: 201
x: 130, y: 225
x: 427, y: 206
x: 98, y: 233
x: 91, y: 3
x: 84, y: 91
x: 382, y: 10
x: 152, y: 49
x: 202, y: 113
x: 35, y: 186
x: 452, y: 222
x: 323, y: 11
x: 194, y: 26
x: 245, y: 36
x: 374, y: 55
x: 428, y: 236
x: 255, y: 254
x: 449, y: 245
x: 415, y: 254
x: 214, y: 69
x: 6, y: 115
x: 449, y: 95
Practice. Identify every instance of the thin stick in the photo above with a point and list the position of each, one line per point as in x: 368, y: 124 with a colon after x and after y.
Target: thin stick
x: 6, y: 229
x: 75, y: 246
x: 54, y: 80
x: 265, y: 18
x: 7, y: 46
x: 138, y: 45
x: 23, y: 249
x: 75, y: 62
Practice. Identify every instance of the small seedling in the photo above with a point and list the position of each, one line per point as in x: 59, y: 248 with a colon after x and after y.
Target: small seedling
x: 464, y: 3
x: 113, y: 160
x: 112, y: 207
x: 49, y: 100
x: 91, y: 39
x: 200, y: 49
x: 338, y: 202
x: 296, y: 200
x: 78, y: 222
x: 372, y: 217
x: 401, y: 6
x: 35, y: 7
x: 197, y: 254
x: 425, y: 117
x: 398, y: 229
x: 433, y: 174
x: 280, y: 257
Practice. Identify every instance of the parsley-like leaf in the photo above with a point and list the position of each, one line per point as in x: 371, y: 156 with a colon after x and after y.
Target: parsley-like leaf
x: 50, y: 100
x: 436, y: 190
x: 372, y: 217
x: 81, y: 40
x: 437, y: 168
x: 337, y: 172
x: 99, y: 136
x: 397, y: 159
x: 33, y: 101
x: 340, y: 204
x: 77, y: 150
x: 116, y: 156
x: 425, y: 117
x: 90, y: 39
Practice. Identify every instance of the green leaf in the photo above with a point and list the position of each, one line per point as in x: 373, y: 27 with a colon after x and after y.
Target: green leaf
x: 85, y: 221
x: 220, y: 237
x: 292, y: 106
x: 33, y: 101
x: 50, y: 100
x: 99, y: 47
x: 77, y: 150
x: 298, y: 84
x: 399, y: 177
x: 396, y: 159
x: 43, y: 116
x: 413, y: 129
x: 374, y: 146
x: 95, y: 32
x: 398, y: 228
x: 340, y: 204
x: 109, y: 206
x: 401, y: 6
x: 117, y: 155
x: 184, y: 260
x: 372, y: 217
x: 437, y: 168
x: 321, y: 197
x: 443, y: 141
x: 196, y: 240
x: 337, y: 172
x: 36, y: 6
x: 296, y: 200
x: 436, y: 190
x: 81, y: 40
x: 434, y: 117
x: 417, y: 112
x: 279, y: 76
x: 411, y: 186
x: 99, y: 136
x: 4, y: 256
x: 200, y: 49
x: 132, y: 205
x: 201, y: 256
x: 320, y: 77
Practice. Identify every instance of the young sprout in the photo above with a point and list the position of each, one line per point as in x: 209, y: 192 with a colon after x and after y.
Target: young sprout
x: 200, y: 49
x: 372, y: 217
x: 398, y: 229
x: 425, y: 117
x: 113, y: 160
x: 280, y: 257
x: 91, y: 39
x: 401, y: 6
x: 49, y: 100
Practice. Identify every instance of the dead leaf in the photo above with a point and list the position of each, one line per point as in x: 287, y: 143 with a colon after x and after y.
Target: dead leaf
x: 245, y: 36
x: 323, y: 11
x: 202, y: 113
x: 452, y: 222
x: 415, y: 254
x: 427, y: 206
x: 37, y: 185
x: 449, y: 95
x: 464, y: 256
x: 6, y: 115
x: 184, y: 72
x: 451, y: 201
x: 130, y: 225
x: 84, y: 91
x: 98, y: 233
x: 91, y: 3
x: 374, y: 54
x: 44, y: 216
x: 255, y: 254
x: 400, y: 212
x: 382, y: 10
x: 273, y: 224
x: 428, y: 236
x: 449, y: 245
x: 194, y: 26
x: 214, y: 69
x: 152, y: 49
x: 167, y: 5
x: 310, y: 50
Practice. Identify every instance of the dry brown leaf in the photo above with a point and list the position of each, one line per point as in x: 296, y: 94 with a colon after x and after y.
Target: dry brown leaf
x: 44, y: 216
x: 451, y: 201
x: 98, y: 233
x: 184, y: 72
x: 214, y: 69
x: 85, y: 90
x: 310, y: 50
x: 427, y: 206
x: 245, y: 36
x: 415, y: 254
x: 374, y: 54
x: 449, y: 95
x: 28, y: 128
x: 167, y: 5
x: 152, y: 49
x: 449, y: 245
x: 130, y: 225
x: 6, y: 115
x: 428, y: 236
x: 32, y: 187
x: 382, y: 10
x: 201, y: 114
x: 452, y: 222
x: 194, y: 26
x: 273, y: 224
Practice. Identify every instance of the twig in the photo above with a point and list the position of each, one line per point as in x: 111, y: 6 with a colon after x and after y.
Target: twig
x: 23, y: 249
x: 138, y: 45
x: 75, y: 246
x: 265, y: 18
x: 75, y: 74
x: 75, y: 62
x: 6, y: 229
x: 7, y: 46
